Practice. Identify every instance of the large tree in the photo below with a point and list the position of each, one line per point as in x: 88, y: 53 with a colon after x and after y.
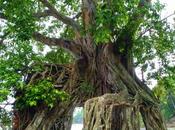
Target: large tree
x: 95, y: 46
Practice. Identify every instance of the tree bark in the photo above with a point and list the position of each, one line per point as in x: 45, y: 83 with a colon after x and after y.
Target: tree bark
x: 152, y: 118
x: 59, y: 117
x: 64, y: 122
x: 96, y: 72
x: 111, y: 112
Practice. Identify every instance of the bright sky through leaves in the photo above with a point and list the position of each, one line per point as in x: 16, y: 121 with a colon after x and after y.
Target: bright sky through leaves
x: 169, y: 8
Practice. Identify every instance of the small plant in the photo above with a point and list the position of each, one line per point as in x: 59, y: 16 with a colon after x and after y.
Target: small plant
x: 41, y: 92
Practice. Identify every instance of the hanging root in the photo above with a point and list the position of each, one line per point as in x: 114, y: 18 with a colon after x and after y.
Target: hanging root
x: 111, y: 112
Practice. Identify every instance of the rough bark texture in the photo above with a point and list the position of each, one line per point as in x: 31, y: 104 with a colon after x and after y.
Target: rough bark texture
x: 97, y: 72
x: 151, y: 117
x: 111, y: 112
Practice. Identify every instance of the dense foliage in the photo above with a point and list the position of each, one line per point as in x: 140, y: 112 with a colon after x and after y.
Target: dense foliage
x: 165, y: 91
x: 5, y: 118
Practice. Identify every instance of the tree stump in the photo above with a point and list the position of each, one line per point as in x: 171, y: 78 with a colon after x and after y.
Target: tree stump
x: 111, y: 112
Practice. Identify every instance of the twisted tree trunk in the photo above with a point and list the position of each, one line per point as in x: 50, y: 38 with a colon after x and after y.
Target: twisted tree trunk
x: 57, y: 118
x: 97, y: 72
x: 118, y: 112
x: 111, y: 112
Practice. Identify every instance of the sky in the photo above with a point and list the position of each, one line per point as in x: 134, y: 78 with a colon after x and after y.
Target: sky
x: 169, y: 9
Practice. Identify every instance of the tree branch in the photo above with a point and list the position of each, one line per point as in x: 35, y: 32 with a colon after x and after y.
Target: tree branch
x: 70, y: 46
x: 49, y: 41
x: 61, y: 17
x: 135, y: 20
x: 125, y: 38
x: 88, y: 10
x: 77, y: 16
x: 2, y: 16
x: 45, y: 13
x: 151, y: 26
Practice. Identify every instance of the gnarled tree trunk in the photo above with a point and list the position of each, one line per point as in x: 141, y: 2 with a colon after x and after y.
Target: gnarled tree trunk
x: 96, y: 73
x: 111, y: 112
x: 97, y: 70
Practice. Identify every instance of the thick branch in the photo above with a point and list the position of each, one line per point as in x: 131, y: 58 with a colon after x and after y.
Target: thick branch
x: 61, y: 17
x: 125, y: 39
x: 135, y: 86
x: 134, y: 21
x: 70, y: 46
x: 48, y: 41
x: 88, y: 10
x: 45, y: 13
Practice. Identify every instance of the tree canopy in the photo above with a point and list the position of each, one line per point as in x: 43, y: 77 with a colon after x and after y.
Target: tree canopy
x: 37, y: 33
